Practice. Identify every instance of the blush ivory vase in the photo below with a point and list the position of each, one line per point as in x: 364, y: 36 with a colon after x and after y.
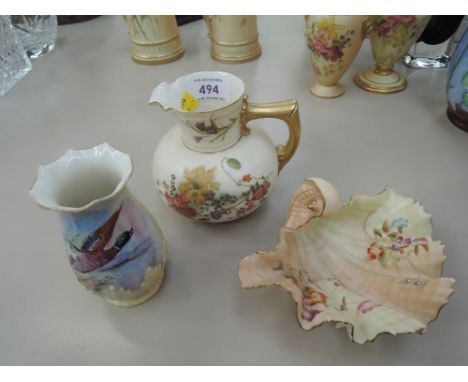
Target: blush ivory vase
x: 234, y: 39
x: 334, y: 42
x: 114, y: 246
x: 154, y: 39
x: 457, y: 85
x: 211, y: 167
x: 391, y: 37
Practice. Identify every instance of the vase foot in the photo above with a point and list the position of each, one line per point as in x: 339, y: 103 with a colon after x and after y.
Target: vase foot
x: 159, y: 60
x: 240, y: 59
x: 456, y: 120
x: 371, y: 81
x: 140, y: 300
x: 324, y: 91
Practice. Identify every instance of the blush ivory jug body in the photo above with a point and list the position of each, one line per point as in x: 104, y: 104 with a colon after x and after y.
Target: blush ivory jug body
x: 211, y: 166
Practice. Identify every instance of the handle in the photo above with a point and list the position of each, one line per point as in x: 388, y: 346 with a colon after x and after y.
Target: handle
x: 287, y: 111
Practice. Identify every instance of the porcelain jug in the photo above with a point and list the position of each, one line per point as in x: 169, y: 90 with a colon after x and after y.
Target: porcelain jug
x: 211, y: 166
x: 115, y: 247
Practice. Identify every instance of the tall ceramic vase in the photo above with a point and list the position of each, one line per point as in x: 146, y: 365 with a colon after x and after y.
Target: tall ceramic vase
x: 234, y: 39
x: 114, y: 246
x: 391, y: 37
x: 334, y: 42
x: 457, y: 85
x: 154, y: 39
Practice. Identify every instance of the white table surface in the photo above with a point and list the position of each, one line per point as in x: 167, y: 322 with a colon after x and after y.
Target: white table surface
x: 88, y: 91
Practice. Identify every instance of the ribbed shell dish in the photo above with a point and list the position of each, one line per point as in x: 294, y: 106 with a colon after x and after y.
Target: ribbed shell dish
x: 370, y: 265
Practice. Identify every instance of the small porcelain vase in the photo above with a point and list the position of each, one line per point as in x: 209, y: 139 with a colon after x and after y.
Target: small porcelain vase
x: 114, y: 246
x: 334, y: 42
x: 154, y: 39
x: 211, y: 167
x: 234, y: 39
x: 457, y: 85
x: 391, y: 37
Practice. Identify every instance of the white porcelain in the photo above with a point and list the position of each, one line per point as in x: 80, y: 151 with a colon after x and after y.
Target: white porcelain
x: 211, y: 167
x: 114, y: 245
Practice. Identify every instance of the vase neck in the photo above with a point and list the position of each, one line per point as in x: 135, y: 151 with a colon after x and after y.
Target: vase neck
x: 81, y: 179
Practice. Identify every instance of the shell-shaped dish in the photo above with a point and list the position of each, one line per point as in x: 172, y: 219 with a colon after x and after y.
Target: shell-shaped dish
x: 369, y: 265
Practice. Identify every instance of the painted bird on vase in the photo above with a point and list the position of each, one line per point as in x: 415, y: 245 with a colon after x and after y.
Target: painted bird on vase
x: 93, y: 252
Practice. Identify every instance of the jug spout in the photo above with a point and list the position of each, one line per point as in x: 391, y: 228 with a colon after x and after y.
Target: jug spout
x: 208, y: 105
x: 162, y: 95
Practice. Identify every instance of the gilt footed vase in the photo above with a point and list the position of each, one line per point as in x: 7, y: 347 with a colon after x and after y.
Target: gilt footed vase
x: 334, y: 42
x: 211, y: 167
x: 115, y: 247
x: 391, y: 37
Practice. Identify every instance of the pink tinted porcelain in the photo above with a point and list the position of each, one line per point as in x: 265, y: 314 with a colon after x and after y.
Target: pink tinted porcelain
x: 370, y: 265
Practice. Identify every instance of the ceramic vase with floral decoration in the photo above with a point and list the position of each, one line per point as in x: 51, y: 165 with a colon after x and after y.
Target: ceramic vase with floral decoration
x: 457, y: 85
x: 391, y: 37
x: 114, y: 245
x: 211, y: 167
x: 154, y: 39
x: 334, y: 42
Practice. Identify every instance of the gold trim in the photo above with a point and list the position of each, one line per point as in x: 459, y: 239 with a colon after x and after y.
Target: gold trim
x: 382, y: 71
x: 375, y: 88
x: 158, y: 42
x: 287, y: 111
x: 239, y: 59
x: 234, y: 43
x: 245, y: 130
x: 340, y: 91
x: 159, y: 61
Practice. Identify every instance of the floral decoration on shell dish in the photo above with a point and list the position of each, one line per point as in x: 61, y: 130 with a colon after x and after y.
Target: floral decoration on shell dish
x: 370, y: 265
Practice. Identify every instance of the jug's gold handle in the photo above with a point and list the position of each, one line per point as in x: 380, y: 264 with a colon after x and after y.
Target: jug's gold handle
x: 287, y: 111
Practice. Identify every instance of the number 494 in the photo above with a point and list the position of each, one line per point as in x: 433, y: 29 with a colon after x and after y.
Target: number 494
x: 208, y: 89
